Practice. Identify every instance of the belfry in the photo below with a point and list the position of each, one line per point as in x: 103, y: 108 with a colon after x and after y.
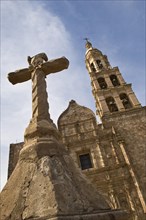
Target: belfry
x: 110, y: 90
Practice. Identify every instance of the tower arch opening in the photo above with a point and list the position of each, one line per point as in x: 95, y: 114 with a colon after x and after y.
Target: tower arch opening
x: 114, y: 80
x: 125, y: 100
x: 102, y: 83
x: 111, y: 104
x: 92, y: 67
x: 99, y: 64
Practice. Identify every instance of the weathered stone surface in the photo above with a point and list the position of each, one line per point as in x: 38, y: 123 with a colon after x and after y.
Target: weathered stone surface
x: 47, y: 183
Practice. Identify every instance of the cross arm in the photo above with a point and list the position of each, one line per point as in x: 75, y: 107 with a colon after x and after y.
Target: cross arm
x: 56, y: 65
x: 19, y: 76
x: 52, y: 66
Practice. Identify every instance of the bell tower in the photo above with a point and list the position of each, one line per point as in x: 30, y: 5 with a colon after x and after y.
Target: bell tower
x: 112, y: 94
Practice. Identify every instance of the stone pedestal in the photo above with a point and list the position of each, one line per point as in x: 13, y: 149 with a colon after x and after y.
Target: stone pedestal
x: 46, y: 185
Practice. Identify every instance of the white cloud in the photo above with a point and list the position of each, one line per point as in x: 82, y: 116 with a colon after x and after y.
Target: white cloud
x: 27, y: 29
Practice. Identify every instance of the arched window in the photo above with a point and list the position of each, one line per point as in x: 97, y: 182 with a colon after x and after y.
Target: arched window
x: 111, y: 104
x: 102, y: 83
x: 125, y: 100
x: 114, y: 80
x: 92, y: 67
x: 99, y: 64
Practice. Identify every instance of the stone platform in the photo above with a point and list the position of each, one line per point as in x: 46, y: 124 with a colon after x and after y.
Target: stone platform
x: 46, y: 185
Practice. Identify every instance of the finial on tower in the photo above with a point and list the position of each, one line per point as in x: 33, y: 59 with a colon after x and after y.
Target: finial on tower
x: 88, y: 44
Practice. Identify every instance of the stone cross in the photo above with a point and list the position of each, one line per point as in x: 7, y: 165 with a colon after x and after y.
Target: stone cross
x: 39, y: 68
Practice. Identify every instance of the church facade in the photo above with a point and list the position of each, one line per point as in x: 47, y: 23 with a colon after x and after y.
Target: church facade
x: 111, y: 154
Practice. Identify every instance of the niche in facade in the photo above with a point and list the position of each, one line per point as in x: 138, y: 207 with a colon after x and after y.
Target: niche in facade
x: 114, y: 80
x: 102, y: 83
x: 92, y: 67
x: 125, y: 100
x: 111, y: 104
x: 99, y: 64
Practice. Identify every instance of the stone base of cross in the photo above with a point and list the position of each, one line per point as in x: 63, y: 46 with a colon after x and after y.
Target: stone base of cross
x: 40, y: 130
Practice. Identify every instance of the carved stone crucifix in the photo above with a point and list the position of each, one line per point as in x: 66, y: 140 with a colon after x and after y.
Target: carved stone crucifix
x: 39, y: 68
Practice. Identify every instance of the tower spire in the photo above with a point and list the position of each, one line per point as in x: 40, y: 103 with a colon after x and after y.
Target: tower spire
x: 88, y: 44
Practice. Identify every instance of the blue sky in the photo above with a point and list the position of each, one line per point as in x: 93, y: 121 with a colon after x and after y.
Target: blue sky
x: 58, y: 28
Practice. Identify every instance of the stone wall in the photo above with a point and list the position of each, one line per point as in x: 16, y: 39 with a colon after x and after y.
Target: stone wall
x: 131, y: 126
